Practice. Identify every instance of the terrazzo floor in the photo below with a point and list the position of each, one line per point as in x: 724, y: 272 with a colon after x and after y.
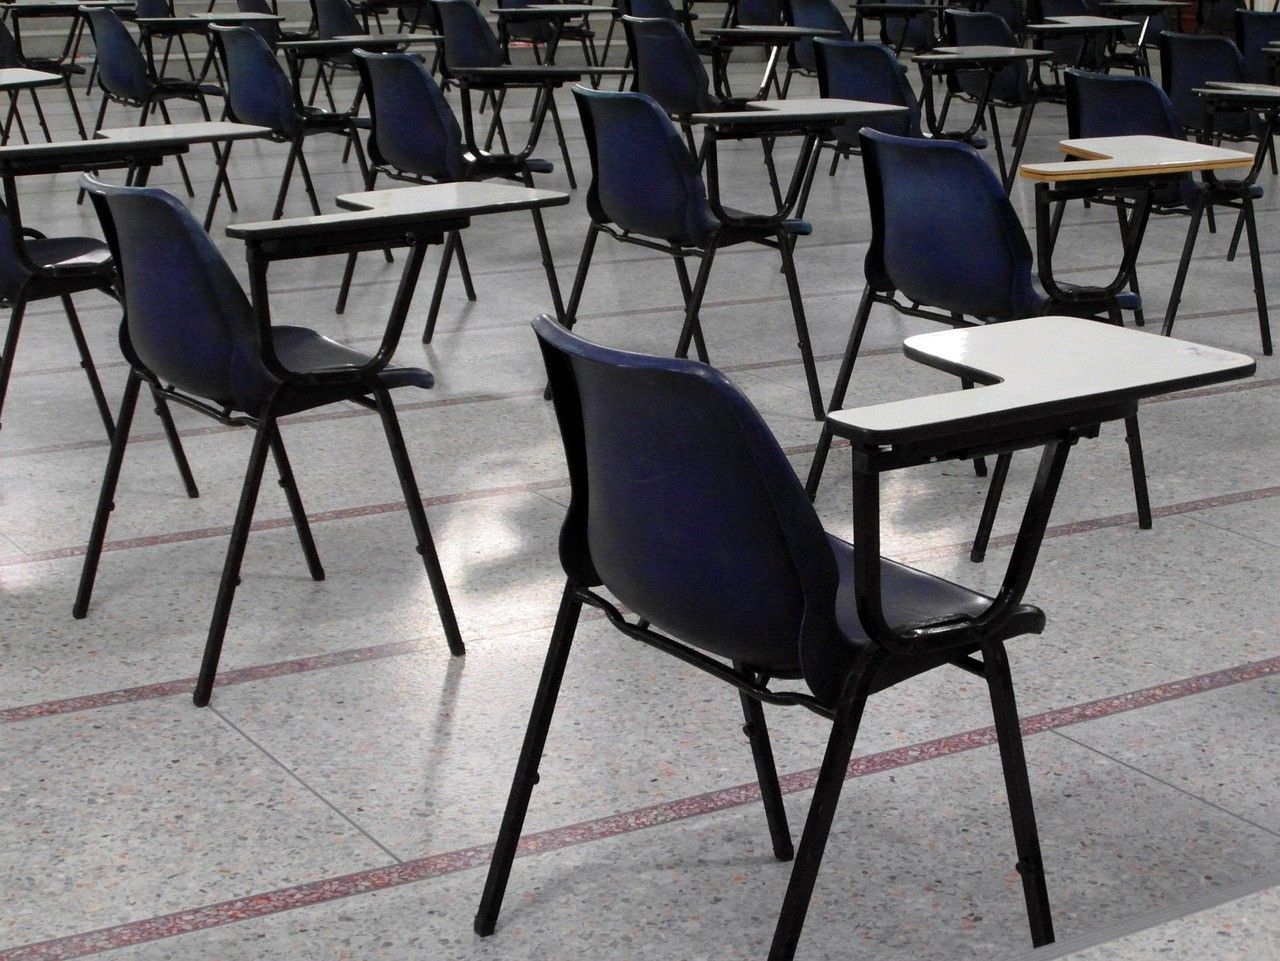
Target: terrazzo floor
x: 338, y: 797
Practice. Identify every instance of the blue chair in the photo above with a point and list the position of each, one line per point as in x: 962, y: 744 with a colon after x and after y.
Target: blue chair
x: 11, y: 58
x: 259, y: 92
x: 541, y: 33
x: 336, y: 18
x: 1008, y: 87
x: 1188, y: 61
x: 470, y: 42
x: 161, y: 10
x: 817, y: 15
x: 646, y: 190
x: 1112, y: 106
x: 904, y: 32
x: 270, y: 30
x: 862, y: 70
x: 192, y: 335
x: 1217, y: 17
x: 416, y: 139
x: 686, y: 511
x: 1256, y: 30
x: 947, y: 246
x: 126, y: 78
x: 12, y: 55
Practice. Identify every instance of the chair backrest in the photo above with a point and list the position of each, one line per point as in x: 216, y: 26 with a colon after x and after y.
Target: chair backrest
x: 1218, y: 16
x: 942, y: 230
x: 533, y: 30
x: 336, y: 18
x: 1115, y: 105
x: 667, y: 66
x: 187, y: 319
x: 8, y: 48
x: 122, y: 68
x: 1187, y: 61
x: 414, y: 130
x: 684, y: 506
x: 757, y: 13
x: 863, y: 70
x: 914, y: 33
x: 469, y: 41
x: 258, y: 91
x: 817, y: 15
x: 1256, y: 30
x: 13, y: 273
x: 1012, y: 84
x: 651, y: 10
x: 152, y: 8
x: 268, y: 29
x: 644, y: 179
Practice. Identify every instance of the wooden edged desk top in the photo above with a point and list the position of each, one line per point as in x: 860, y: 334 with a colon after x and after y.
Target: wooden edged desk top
x: 802, y: 109
x: 1137, y: 156
x: 979, y: 54
x: 20, y: 78
x: 1035, y: 369
x: 211, y: 131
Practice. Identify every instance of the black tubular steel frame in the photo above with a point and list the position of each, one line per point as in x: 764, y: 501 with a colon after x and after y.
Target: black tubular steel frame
x: 1056, y: 434
x: 267, y: 437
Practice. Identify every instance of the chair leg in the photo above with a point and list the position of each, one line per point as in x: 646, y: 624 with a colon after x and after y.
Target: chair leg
x: 296, y: 510
x: 1004, y: 710
x: 1122, y: 218
x: 564, y: 145
x: 1259, y: 288
x: 75, y: 108
x: 175, y: 443
x: 442, y: 277
x: 235, y: 554
x: 526, y: 776
x: 295, y: 148
x: 182, y: 164
x: 990, y: 506
x: 686, y: 292
x: 839, y: 391
x: 11, y: 345
x: 224, y: 157
x: 1138, y: 467
x: 822, y: 811
x: 107, y: 495
x: 86, y: 364
x: 580, y: 276
x: 979, y: 463
x: 775, y: 811
x: 1188, y: 248
x: 44, y: 126
x: 802, y: 325
x: 413, y: 501
x: 548, y: 263
x: 306, y: 179
x: 465, y: 270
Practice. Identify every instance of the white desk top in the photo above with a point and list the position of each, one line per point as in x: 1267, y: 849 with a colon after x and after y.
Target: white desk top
x: 800, y: 109
x: 1036, y: 368
x: 214, y: 131
x: 1079, y: 23
x: 1137, y: 156
x: 475, y: 197
x: 20, y: 78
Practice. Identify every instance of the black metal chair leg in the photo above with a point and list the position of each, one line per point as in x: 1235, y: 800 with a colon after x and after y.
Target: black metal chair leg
x: 75, y: 108
x: 979, y: 463
x: 224, y: 158
x: 775, y: 811
x: 1235, y: 237
x: 526, y: 776
x: 692, y: 322
x: 235, y: 554
x: 348, y: 271
x: 1137, y: 465
x: 433, y: 312
x: 1188, y: 248
x: 418, y: 516
x: 564, y: 144
x: 839, y: 391
x: 990, y: 507
x: 686, y: 292
x: 822, y: 811
x: 294, y: 147
x: 802, y: 325
x: 11, y: 345
x: 175, y: 443
x: 1259, y: 288
x: 306, y: 180
x: 548, y: 264
x: 296, y: 510
x: 44, y: 126
x: 1004, y: 710
x: 182, y: 164
x: 107, y: 495
x: 86, y: 364
x: 464, y: 269
x: 1122, y: 218
x: 580, y: 276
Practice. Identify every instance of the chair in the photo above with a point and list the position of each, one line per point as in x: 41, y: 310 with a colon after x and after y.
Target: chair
x: 1089, y: 52
x: 158, y: 10
x: 1112, y: 106
x: 541, y: 34
x: 192, y: 335
x: 946, y: 240
x: 416, y: 138
x: 126, y: 78
x: 12, y: 55
x: 10, y: 58
x: 270, y: 30
x: 1009, y: 87
x: 1217, y: 17
x: 862, y: 70
x: 258, y: 92
x: 1188, y: 61
x: 646, y: 190
x: 1255, y: 31
x: 817, y: 15
x: 900, y: 32
x: 336, y: 18
x: 470, y: 42
x: 686, y: 510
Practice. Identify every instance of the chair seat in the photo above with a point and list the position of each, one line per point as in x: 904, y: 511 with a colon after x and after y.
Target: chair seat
x: 745, y: 233
x: 500, y: 165
x: 303, y: 350
x: 53, y: 253
x: 177, y: 87
x: 1126, y: 299
x: 317, y: 119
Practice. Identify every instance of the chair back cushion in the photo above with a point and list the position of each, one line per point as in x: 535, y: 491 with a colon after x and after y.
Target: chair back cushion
x: 817, y: 15
x: 1012, y: 84
x: 1188, y: 61
x: 122, y: 69
x: 667, y: 66
x: 1256, y: 30
x: 336, y: 18
x: 258, y: 92
x: 414, y: 129
x: 1115, y: 105
x: 469, y: 41
x: 863, y: 70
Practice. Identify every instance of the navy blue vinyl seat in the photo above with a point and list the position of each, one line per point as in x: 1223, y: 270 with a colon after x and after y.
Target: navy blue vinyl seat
x: 817, y: 15
x: 947, y: 245
x: 685, y: 509
x: 1101, y: 105
x: 470, y: 42
x: 646, y: 190
x: 1188, y: 61
x: 863, y: 70
x: 1256, y: 30
x: 193, y: 336
x: 416, y: 138
x: 259, y: 92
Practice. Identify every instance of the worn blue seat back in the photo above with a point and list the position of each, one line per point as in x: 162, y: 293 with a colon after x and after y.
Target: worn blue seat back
x: 667, y: 66
x: 258, y: 92
x: 1012, y: 84
x: 469, y: 41
x: 644, y: 180
x: 269, y: 29
x: 817, y: 15
x: 414, y: 129
x: 336, y: 18
x: 122, y: 68
x: 943, y: 232
x: 862, y: 70
x: 1256, y: 30
x: 1188, y: 61
x: 684, y: 506
x: 186, y: 316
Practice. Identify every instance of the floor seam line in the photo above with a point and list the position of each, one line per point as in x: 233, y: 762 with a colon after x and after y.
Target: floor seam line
x: 1228, y: 530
